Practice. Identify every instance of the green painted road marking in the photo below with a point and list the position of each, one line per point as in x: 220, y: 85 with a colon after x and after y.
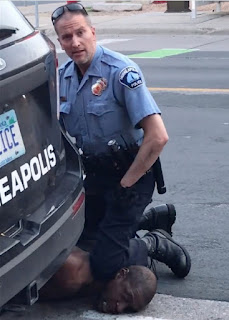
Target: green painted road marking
x: 157, y: 54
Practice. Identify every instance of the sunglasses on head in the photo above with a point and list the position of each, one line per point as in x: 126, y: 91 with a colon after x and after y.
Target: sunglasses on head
x: 70, y: 7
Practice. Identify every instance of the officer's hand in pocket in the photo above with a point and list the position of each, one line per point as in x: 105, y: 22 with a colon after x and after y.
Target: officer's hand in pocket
x: 125, y: 196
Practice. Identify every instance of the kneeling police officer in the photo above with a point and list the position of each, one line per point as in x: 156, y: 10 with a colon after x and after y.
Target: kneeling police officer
x: 103, y: 97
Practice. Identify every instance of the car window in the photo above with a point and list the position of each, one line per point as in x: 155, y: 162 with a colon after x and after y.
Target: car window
x: 13, y: 25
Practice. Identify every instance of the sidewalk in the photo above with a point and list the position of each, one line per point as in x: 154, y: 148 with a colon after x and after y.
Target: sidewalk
x: 139, y: 22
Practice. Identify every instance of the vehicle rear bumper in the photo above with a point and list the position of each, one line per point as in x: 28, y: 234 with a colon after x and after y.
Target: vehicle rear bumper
x: 40, y: 260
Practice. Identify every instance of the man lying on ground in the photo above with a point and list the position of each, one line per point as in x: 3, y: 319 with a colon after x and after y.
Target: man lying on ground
x: 134, y: 286
x: 131, y: 289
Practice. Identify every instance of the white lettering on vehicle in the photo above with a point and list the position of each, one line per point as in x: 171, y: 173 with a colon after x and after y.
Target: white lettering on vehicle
x: 37, y: 167
x: 7, y: 139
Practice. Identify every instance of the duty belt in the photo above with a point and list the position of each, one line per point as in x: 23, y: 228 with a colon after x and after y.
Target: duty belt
x: 118, y: 162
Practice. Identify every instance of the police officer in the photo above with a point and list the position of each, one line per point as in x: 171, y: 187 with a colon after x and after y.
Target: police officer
x: 103, y: 97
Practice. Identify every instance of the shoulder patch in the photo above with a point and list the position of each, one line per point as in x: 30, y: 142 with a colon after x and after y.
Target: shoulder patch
x: 130, y: 78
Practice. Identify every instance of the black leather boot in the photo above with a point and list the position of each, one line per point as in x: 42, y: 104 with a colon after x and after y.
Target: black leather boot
x: 163, y: 248
x: 159, y: 217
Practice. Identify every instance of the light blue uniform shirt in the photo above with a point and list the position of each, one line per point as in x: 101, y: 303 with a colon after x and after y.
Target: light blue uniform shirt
x: 114, y: 114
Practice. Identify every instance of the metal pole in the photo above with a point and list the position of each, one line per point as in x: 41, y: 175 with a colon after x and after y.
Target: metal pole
x: 193, y: 9
x: 36, y: 15
x: 218, y: 6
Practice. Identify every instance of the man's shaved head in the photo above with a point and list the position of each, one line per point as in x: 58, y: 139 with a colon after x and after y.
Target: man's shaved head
x: 143, y: 283
x: 131, y: 290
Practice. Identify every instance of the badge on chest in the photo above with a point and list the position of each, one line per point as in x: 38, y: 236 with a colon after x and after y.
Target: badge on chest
x: 98, y: 87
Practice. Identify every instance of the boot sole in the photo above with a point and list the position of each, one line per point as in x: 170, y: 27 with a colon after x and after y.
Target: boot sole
x: 187, y: 256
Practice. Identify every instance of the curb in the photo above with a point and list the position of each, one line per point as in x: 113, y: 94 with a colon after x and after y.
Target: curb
x: 151, y: 31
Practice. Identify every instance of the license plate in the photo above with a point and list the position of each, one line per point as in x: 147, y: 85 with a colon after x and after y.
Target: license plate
x: 11, y: 142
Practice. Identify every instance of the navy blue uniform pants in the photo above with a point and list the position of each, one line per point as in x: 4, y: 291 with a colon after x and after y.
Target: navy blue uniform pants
x: 115, y: 221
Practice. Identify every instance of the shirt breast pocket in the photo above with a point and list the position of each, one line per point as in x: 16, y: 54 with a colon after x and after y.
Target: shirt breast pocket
x: 104, y: 117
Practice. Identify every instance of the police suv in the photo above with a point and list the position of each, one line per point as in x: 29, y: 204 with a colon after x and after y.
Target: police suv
x: 41, y: 184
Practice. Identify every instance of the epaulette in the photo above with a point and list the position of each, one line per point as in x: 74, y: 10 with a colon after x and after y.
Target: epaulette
x: 115, y: 59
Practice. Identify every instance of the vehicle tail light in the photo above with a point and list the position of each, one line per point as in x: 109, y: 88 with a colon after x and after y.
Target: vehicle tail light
x: 78, y: 204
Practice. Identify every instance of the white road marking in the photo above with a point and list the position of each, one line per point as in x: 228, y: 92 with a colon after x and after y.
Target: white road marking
x: 106, y: 41
x: 93, y: 315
